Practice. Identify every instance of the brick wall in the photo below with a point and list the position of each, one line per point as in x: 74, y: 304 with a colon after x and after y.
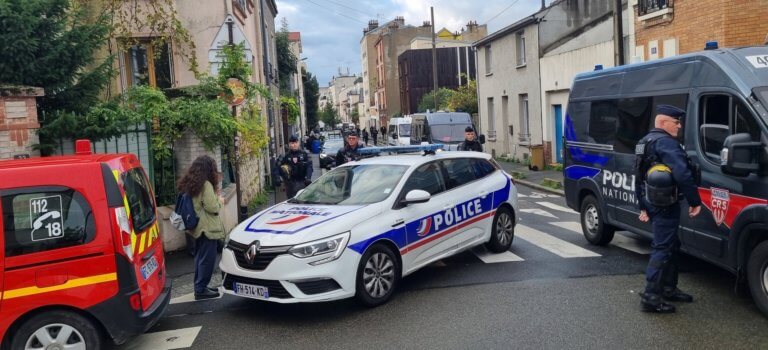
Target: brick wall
x: 18, y: 121
x: 732, y: 23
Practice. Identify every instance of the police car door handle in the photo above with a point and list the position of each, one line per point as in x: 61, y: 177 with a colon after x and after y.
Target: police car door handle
x: 398, y: 222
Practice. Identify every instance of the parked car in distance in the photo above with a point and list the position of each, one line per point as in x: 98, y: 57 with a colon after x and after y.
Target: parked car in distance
x: 328, y: 154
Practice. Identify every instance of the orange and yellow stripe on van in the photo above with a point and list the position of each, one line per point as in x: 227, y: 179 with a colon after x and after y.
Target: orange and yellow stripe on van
x: 73, y: 283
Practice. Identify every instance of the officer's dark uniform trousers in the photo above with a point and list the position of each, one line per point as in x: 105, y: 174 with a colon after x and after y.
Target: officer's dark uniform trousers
x: 662, y: 266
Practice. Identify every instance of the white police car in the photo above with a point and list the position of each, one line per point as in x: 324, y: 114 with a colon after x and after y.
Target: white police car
x: 359, y: 228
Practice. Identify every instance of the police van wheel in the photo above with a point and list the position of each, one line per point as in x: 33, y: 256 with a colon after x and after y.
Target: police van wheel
x: 757, y: 275
x: 377, y: 275
x: 502, y: 232
x: 596, y: 231
x: 57, y: 330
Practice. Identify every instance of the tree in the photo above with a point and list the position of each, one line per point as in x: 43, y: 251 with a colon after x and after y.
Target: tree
x: 52, y: 44
x: 286, y: 60
x: 464, y: 98
x: 428, y: 100
x: 355, y: 116
x: 311, y: 95
x: 330, y: 116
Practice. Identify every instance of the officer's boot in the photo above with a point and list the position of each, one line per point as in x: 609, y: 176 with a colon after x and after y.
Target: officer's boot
x: 650, y: 302
x: 669, y: 281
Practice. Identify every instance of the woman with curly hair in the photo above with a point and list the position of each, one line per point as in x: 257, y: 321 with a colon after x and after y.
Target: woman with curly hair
x: 201, y: 184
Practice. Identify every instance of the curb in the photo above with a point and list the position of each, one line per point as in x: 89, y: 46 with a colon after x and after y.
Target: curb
x: 539, y: 187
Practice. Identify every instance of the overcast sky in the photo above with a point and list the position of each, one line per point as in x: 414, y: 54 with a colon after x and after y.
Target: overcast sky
x: 331, y: 29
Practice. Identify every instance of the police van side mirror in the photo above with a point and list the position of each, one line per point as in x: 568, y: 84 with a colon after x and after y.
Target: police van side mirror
x: 739, y: 155
x: 394, y: 136
x: 481, y: 138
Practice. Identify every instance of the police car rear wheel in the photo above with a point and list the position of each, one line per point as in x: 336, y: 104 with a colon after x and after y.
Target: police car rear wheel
x: 502, y: 232
x: 57, y: 330
x: 757, y: 275
x: 596, y: 231
x: 377, y: 275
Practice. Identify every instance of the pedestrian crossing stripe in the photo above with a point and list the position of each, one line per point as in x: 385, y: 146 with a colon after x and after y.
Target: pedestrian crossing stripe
x: 555, y: 207
x: 166, y: 340
x: 619, y: 240
x: 538, y: 212
x: 553, y: 244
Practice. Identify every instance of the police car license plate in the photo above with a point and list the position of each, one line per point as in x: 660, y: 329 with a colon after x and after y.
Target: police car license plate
x: 250, y: 290
x: 149, y: 268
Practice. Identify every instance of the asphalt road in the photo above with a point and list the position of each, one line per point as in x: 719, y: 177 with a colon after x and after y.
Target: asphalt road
x: 553, y: 291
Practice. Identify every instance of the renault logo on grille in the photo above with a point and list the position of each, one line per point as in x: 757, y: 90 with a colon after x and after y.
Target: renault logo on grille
x: 252, y: 252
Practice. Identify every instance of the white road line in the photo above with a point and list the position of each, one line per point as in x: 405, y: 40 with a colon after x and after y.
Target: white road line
x: 552, y: 244
x: 492, y: 258
x: 188, y: 298
x: 555, y: 207
x: 619, y: 240
x: 569, y: 225
x: 538, y: 212
x: 167, y: 340
x: 520, y: 195
x: 631, y: 244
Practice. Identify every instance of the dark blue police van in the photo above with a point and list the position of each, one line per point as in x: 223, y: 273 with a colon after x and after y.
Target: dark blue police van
x: 725, y: 133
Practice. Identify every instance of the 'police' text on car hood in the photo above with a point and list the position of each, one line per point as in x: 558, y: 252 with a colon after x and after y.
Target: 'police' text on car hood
x: 288, y: 224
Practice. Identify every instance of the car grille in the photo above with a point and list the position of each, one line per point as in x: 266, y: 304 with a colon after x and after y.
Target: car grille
x: 276, y: 289
x: 318, y: 286
x: 263, y: 258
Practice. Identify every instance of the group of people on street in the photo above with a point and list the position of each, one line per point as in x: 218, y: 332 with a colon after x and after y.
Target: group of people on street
x: 662, y: 166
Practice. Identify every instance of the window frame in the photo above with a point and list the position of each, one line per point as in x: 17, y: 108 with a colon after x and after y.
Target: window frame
x: 733, y: 101
x: 488, y: 59
x: 151, y: 59
x: 520, y: 52
x: 446, y: 176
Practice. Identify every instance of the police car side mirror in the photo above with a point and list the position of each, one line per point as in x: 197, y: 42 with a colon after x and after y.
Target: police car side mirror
x: 481, y: 138
x: 739, y: 155
x: 394, y: 136
x: 416, y: 196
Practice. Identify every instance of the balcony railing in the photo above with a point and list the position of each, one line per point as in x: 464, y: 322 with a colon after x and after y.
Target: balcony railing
x: 645, y: 7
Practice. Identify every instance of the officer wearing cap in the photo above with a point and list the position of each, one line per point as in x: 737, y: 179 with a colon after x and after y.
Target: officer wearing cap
x: 348, y: 153
x: 663, y: 171
x: 470, y: 142
x: 295, y: 168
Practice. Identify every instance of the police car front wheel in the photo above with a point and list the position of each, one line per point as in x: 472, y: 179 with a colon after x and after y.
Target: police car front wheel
x: 757, y: 275
x: 57, y: 330
x: 596, y: 231
x: 502, y: 232
x: 377, y: 275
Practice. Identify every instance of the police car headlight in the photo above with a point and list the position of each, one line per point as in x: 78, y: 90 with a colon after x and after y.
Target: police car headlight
x: 323, y: 155
x: 332, y: 246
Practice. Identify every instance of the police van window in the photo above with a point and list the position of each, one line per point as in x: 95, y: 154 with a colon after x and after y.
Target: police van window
x: 577, y: 122
x: 459, y: 172
x: 139, y: 196
x: 721, y: 116
x: 482, y: 168
x: 39, y: 219
x: 634, y: 122
x: 427, y: 178
x: 602, y: 122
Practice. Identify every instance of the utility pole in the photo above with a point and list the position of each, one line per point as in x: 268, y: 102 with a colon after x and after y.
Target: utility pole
x: 234, y: 157
x: 434, y: 56
x: 618, y: 34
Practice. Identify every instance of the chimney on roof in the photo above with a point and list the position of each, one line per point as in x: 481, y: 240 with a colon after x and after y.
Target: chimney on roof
x: 400, y: 20
x: 543, y: 5
x: 373, y: 24
x: 471, y: 26
x: 426, y: 24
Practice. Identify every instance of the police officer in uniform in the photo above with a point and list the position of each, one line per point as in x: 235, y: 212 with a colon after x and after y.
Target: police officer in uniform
x: 663, y: 172
x: 348, y: 153
x: 470, y: 142
x: 295, y: 168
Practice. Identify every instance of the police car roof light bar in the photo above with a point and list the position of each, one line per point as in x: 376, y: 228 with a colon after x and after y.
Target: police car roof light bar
x: 375, y: 151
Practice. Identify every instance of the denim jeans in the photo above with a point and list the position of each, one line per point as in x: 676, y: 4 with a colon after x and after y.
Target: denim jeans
x: 205, y: 260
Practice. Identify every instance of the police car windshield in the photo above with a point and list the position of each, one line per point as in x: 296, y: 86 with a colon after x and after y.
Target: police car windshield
x: 448, y: 133
x: 405, y: 129
x: 353, y: 185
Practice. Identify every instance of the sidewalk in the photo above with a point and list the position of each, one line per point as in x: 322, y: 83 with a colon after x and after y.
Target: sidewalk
x: 534, y: 179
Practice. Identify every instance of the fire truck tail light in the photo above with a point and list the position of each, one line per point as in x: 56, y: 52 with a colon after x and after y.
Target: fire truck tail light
x: 135, y: 301
x: 121, y: 216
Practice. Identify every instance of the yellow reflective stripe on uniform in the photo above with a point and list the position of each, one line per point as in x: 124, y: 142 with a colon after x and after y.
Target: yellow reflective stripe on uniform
x: 74, y: 283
